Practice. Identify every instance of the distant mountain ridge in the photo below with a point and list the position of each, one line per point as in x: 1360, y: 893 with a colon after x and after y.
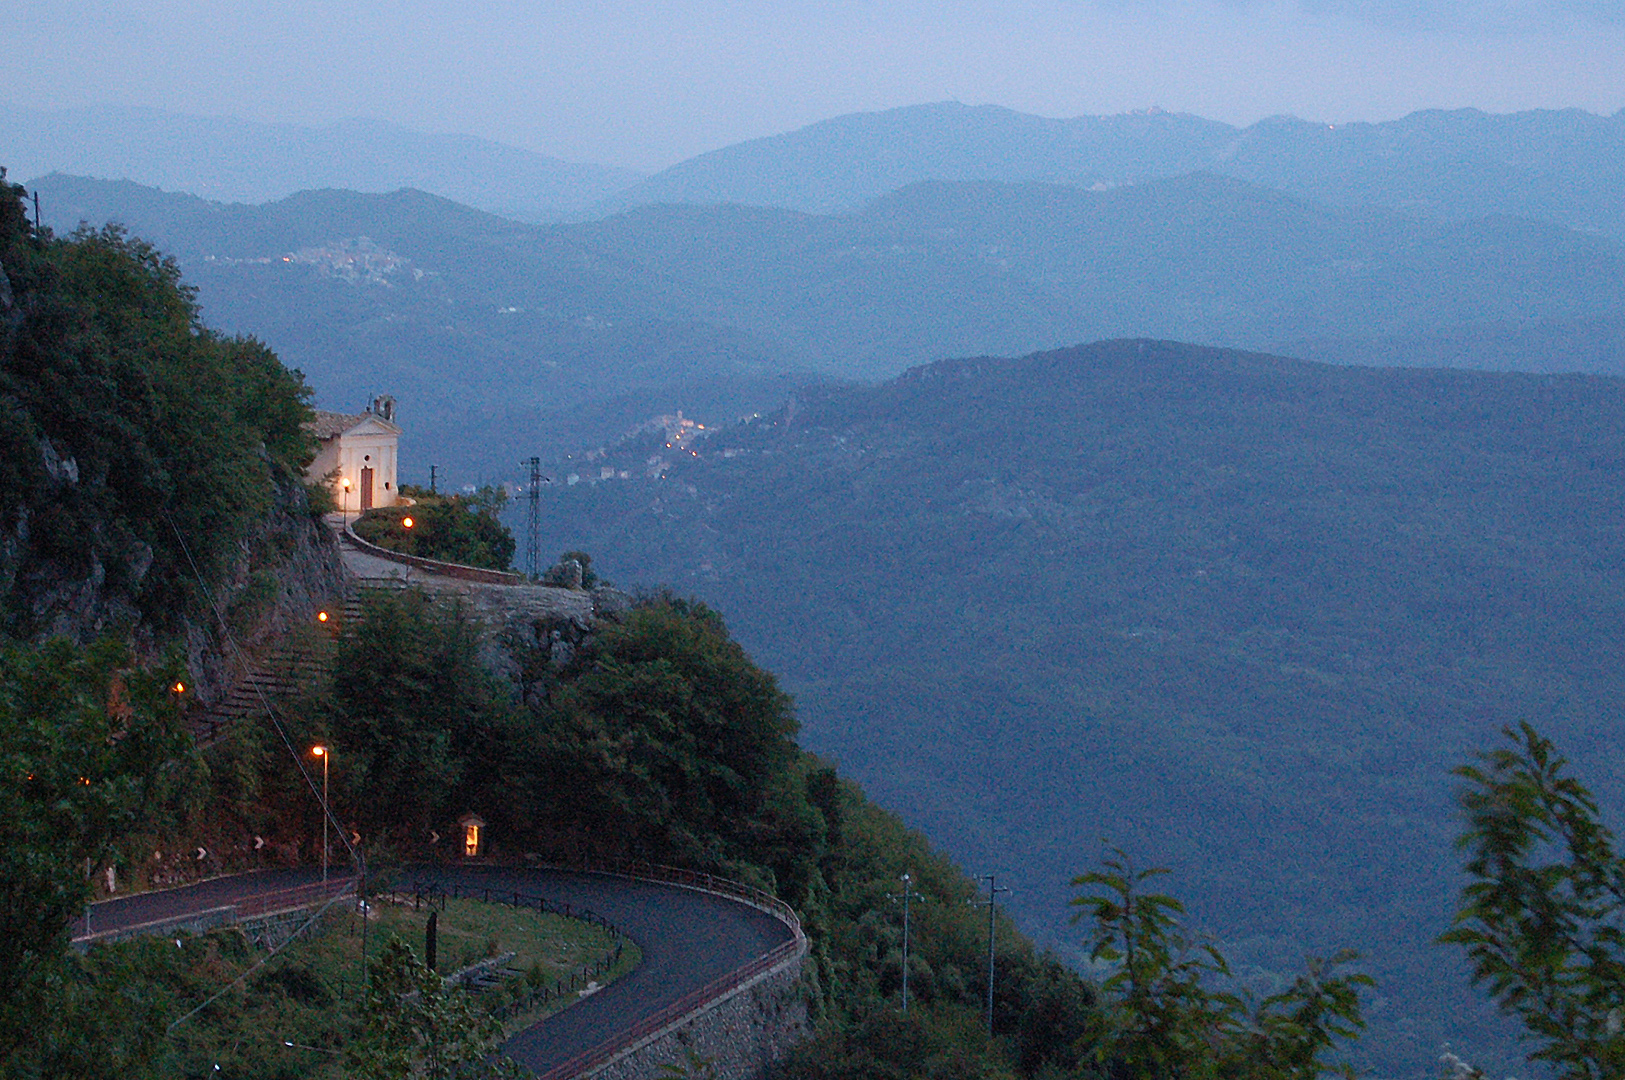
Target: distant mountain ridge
x: 224, y: 159
x: 481, y: 317
x: 1564, y: 166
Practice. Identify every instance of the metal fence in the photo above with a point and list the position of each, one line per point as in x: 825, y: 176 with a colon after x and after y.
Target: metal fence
x: 434, y: 894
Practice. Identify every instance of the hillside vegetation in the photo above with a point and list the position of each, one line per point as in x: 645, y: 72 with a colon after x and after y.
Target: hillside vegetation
x: 1236, y: 613
x: 139, y: 450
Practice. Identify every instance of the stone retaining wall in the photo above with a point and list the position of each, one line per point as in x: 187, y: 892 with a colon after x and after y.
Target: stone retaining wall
x: 739, y: 1035
x: 451, y: 570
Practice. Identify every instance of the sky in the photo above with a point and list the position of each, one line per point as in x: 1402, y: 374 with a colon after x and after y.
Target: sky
x: 646, y: 84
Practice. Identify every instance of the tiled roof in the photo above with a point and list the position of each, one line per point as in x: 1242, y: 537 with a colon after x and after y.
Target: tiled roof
x: 327, y: 425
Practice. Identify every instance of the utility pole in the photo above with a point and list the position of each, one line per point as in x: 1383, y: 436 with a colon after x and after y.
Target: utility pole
x: 533, y: 545
x: 36, y: 210
x: 907, y: 894
x: 991, y: 902
x: 432, y: 470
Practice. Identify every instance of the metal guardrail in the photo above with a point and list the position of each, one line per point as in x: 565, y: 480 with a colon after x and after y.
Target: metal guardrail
x: 297, y: 897
x: 252, y: 907
x: 711, y: 991
x: 691, y: 879
x: 678, y: 1009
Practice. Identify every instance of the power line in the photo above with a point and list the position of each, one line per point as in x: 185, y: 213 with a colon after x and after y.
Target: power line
x: 298, y: 760
x: 259, y: 692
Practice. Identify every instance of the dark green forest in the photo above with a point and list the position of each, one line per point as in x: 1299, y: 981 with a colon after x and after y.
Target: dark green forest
x: 126, y: 424
x: 1236, y: 613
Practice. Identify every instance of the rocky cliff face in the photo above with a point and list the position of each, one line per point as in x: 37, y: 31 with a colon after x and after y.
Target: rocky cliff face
x: 287, y: 570
x: 282, y: 570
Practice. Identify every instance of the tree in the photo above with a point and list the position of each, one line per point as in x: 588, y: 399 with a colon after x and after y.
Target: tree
x: 670, y: 738
x: 463, y: 529
x: 1164, y: 1017
x: 1541, y: 919
x: 415, y: 1026
x: 87, y: 745
x: 418, y: 721
x: 115, y: 400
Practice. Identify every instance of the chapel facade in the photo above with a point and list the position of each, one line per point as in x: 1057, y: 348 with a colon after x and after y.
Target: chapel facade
x: 358, y: 452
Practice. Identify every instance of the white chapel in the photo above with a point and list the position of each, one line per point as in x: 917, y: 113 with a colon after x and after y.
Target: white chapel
x: 358, y: 452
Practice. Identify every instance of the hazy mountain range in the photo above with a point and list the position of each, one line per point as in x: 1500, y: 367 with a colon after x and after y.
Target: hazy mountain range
x: 1567, y: 166
x: 1563, y: 166
x: 1238, y: 614
x: 238, y: 161
x: 467, y: 316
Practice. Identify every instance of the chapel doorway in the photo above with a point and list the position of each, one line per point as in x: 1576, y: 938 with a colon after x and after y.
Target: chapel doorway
x: 366, y: 489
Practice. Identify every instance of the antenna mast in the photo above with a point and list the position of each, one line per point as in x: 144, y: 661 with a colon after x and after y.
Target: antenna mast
x: 533, y: 545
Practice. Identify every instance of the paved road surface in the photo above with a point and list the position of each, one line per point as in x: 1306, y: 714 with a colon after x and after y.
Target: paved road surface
x: 127, y: 911
x: 688, y: 939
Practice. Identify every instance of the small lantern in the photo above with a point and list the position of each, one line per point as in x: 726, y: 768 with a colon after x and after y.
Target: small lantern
x: 473, y: 834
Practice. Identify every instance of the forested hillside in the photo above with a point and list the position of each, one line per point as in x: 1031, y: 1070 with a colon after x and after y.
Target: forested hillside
x: 1237, y: 613
x: 143, y: 453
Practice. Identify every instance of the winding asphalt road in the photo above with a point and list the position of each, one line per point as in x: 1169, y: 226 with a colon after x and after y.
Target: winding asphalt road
x: 688, y: 939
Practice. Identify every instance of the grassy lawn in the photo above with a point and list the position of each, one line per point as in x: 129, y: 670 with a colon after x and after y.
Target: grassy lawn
x: 292, y: 1016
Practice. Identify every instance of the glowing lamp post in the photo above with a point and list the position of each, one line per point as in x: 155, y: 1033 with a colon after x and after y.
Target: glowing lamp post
x: 324, y: 753
x: 345, y: 483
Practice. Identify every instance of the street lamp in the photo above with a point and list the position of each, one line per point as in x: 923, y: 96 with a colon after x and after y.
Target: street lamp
x: 907, y: 895
x: 324, y: 753
x: 345, y: 483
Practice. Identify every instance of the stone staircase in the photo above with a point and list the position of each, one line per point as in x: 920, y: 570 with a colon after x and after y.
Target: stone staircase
x: 279, y: 673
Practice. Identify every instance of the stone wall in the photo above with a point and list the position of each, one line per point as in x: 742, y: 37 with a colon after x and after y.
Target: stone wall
x: 737, y: 1037
x: 448, y: 569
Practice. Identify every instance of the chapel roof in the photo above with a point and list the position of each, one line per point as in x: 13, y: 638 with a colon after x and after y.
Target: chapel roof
x: 326, y: 425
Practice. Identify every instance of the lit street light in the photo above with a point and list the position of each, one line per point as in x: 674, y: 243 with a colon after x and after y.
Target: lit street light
x: 324, y: 753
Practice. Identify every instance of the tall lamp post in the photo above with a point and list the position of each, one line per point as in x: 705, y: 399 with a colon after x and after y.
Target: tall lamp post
x: 907, y: 894
x: 345, y: 483
x: 324, y: 753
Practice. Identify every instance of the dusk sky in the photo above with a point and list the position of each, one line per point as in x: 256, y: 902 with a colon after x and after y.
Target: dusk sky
x: 647, y: 84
